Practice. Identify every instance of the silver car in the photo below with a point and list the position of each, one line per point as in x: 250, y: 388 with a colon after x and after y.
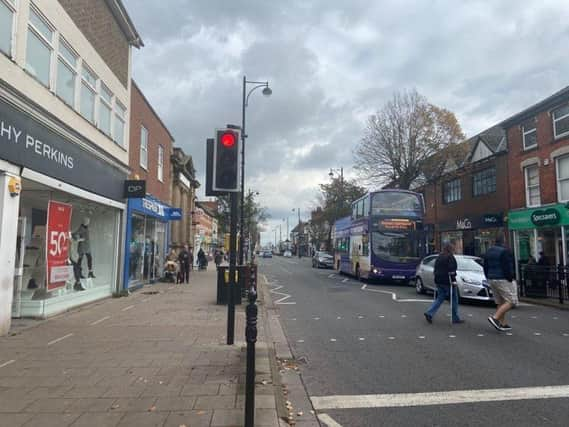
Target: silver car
x: 471, y: 281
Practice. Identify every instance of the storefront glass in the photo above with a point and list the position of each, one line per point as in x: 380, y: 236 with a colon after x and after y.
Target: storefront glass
x: 88, y: 245
x: 526, y: 246
x: 454, y: 237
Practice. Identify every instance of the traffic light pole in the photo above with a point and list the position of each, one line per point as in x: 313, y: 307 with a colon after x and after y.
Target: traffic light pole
x: 232, y: 270
x: 243, y: 136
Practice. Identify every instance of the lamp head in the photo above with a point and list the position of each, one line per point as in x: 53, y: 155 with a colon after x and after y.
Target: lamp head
x: 267, y: 91
x: 331, y: 174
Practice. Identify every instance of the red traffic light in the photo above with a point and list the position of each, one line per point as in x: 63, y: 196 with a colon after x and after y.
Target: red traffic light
x: 228, y: 139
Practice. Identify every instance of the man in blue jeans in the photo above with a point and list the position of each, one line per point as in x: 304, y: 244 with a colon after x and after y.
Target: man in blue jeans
x: 445, y: 277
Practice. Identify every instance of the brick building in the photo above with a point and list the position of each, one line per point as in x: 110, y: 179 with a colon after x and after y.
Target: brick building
x: 147, y: 224
x: 206, y: 226
x: 468, y: 204
x: 538, y: 139
x: 64, y: 107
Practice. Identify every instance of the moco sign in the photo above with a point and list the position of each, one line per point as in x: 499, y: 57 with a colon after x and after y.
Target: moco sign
x: 134, y: 189
x: 545, y: 217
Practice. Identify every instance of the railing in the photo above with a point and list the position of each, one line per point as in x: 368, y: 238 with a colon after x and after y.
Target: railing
x: 538, y: 281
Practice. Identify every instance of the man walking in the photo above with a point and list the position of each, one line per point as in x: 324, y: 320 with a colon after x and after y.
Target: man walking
x: 498, y: 268
x: 184, y: 260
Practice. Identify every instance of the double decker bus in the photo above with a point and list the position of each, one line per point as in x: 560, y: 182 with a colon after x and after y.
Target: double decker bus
x: 383, y: 239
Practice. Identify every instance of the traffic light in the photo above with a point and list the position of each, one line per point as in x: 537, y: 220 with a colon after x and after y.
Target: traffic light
x: 226, y: 161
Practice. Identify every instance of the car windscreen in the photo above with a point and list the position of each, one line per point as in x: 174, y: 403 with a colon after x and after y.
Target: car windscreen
x: 469, y: 264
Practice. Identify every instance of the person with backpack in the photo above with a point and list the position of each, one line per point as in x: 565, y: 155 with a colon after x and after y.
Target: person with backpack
x: 499, y: 270
x: 445, y: 277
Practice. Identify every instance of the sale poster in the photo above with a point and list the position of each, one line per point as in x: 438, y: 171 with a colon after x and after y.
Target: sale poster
x: 57, y: 236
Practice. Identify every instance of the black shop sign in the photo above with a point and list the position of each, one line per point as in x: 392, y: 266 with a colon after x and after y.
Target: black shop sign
x: 30, y: 144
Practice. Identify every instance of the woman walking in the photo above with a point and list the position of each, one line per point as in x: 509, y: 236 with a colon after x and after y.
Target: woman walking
x: 445, y: 277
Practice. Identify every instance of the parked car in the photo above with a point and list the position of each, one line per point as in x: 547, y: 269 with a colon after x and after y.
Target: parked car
x: 267, y: 254
x: 470, y: 278
x: 322, y: 260
x: 287, y: 254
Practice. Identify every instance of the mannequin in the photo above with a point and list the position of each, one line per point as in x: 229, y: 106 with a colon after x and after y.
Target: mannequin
x: 84, y: 246
x: 73, y: 260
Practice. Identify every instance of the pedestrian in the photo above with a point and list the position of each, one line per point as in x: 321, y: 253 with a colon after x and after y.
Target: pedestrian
x: 184, y: 260
x: 445, y: 277
x: 499, y: 270
x: 191, y: 258
x: 218, y: 258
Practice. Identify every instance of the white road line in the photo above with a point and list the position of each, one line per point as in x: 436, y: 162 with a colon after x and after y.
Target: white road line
x: 394, y: 295
x: 333, y: 340
x: 284, y: 296
x: 328, y: 420
x: 96, y: 322
x: 59, y: 339
x: 361, y: 339
x: 439, y: 398
x: 331, y: 276
x: 128, y: 308
x: 9, y: 362
x: 345, y: 280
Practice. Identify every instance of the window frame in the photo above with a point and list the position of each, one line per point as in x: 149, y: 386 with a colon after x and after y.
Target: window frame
x: 119, y: 116
x: 484, y: 178
x: 558, y: 180
x: 529, y: 132
x: 12, y: 7
x: 73, y: 68
x: 446, y: 200
x: 93, y: 89
x: 109, y: 105
x: 160, y: 167
x: 143, y: 148
x: 527, y: 187
x: 51, y: 45
x: 554, y: 120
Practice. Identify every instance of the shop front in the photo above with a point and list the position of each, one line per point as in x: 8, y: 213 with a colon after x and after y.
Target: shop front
x: 540, y: 235
x: 473, y: 235
x: 147, y: 240
x: 62, y: 218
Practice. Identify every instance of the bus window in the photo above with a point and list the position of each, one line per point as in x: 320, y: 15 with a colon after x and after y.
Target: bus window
x: 365, y: 244
x: 366, y: 206
x: 360, y: 208
x: 354, y: 211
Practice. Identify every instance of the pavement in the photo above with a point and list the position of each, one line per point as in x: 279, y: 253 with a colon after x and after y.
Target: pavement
x: 155, y: 358
x: 367, y: 357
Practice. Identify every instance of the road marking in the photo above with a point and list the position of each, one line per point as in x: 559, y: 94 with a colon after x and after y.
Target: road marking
x: 339, y: 317
x: 59, y: 339
x: 128, y: 308
x: 382, y: 316
x: 509, y: 334
x: 421, y: 337
x: 537, y: 334
x: 328, y: 420
x: 96, y: 322
x: 394, y: 295
x: 480, y: 335
x: 282, y: 294
x: 9, y: 362
x: 332, y: 275
x: 360, y: 317
x: 345, y: 280
x: 452, y: 336
x: 333, y: 339
x: 316, y: 318
x: 300, y: 341
x: 391, y: 338
x: 361, y: 338
x: 403, y: 315
x: 439, y: 398
x: 566, y: 335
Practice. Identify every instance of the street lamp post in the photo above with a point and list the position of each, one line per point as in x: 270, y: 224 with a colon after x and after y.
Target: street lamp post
x: 267, y: 92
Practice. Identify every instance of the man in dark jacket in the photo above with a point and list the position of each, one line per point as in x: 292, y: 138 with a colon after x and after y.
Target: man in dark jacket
x: 445, y: 277
x: 184, y: 260
x: 498, y: 268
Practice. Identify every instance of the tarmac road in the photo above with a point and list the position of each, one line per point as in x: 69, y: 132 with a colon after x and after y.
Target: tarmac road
x: 359, y: 341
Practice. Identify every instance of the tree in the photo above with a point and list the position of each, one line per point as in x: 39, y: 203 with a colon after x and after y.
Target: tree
x: 402, y: 138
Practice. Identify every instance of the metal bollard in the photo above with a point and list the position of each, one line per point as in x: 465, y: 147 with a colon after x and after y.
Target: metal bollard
x: 251, y: 337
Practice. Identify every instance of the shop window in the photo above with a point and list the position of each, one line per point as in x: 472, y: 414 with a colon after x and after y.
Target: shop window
x: 452, y: 191
x: 161, y: 163
x: 529, y: 134
x: 88, y: 93
x: 563, y: 179
x: 66, y: 73
x: 533, y: 196
x: 105, y: 110
x: 39, y: 48
x: 561, y: 121
x: 7, y: 13
x: 119, y: 125
x: 484, y: 182
x: 144, y: 147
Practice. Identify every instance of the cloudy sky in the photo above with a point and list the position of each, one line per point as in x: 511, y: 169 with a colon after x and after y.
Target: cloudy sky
x: 330, y: 64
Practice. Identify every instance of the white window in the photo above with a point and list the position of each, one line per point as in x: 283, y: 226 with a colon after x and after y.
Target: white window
x: 40, y: 48
x: 66, y: 73
x: 563, y: 179
x: 561, y: 121
x: 120, y: 118
x: 7, y: 12
x: 143, y: 147
x: 106, y: 110
x: 88, y: 93
x: 161, y: 163
x: 533, y: 196
x: 529, y: 134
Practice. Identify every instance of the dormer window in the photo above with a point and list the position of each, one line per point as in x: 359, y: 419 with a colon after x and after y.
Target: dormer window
x: 529, y: 134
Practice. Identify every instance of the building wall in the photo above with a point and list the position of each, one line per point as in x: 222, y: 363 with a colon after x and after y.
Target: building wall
x: 95, y: 20
x: 142, y: 114
x: 12, y: 72
x: 544, y: 155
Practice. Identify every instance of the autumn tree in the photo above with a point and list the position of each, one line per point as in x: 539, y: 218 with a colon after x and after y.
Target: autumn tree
x: 401, y: 140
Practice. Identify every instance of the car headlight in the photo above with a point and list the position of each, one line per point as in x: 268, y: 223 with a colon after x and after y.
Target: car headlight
x: 469, y: 281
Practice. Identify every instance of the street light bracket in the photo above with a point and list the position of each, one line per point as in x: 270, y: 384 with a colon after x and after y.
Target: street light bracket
x: 267, y: 91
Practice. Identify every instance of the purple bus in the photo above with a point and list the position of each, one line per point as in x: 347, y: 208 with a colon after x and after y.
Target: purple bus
x: 383, y: 239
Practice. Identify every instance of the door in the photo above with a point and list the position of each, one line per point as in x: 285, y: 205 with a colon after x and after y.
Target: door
x: 19, y: 268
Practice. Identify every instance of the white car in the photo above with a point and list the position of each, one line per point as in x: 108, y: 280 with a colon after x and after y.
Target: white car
x: 470, y: 278
x: 287, y: 254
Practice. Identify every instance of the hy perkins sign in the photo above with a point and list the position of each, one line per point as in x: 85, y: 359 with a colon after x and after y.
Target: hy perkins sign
x: 550, y: 216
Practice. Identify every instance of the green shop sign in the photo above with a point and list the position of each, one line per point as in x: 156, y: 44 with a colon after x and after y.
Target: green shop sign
x: 555, y: 215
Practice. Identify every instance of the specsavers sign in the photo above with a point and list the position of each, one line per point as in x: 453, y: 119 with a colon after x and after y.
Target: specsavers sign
x: 545, y: 216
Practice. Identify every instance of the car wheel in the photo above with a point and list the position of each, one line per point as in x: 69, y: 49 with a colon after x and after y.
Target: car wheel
x: 419, y: 286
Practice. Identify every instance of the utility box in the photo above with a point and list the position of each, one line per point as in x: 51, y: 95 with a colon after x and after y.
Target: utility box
x: 223, y: 286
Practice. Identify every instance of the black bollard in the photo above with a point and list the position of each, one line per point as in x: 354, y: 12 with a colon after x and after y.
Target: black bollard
x: 251, y: 337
